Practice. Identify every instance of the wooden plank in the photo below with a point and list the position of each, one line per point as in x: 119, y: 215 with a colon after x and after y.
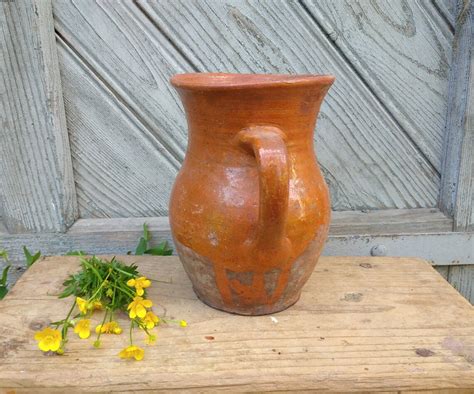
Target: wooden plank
x: 390, y: 221
x: 352, y: 119
x: 438, y: 248
x: 447, y: 8
x: 3, y: 229
x: 36, y: 177
x: 277, y: 37
x: 388, y: 326
x: 443, y: 270
x: 120, y: 235
x: 462, y: 279
x: 457, y: 182
x: 402, y: 50
x: 120, y: 167
x: 126, y: 161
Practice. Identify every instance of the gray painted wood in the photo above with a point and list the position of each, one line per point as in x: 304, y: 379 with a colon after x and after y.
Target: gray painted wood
x: 462, y: 279
x: 447, y: 8
x: 390, y: 221
x: 457, y: 186
x: 402, y: 50
x: 119, y: 235
x: 121, y: 169
x: 354, y: 129
x: 132, y: 55
x: 443, y: 270
x: 3, y: 229
x: 36, y: 179
x: 126, y: 116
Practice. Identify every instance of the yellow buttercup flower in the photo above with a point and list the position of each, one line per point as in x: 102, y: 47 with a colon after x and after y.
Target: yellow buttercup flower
x: 132, y: 352
x: 97, y: 305
x: 150, y: 320
x: 111, y: 327
x: 82, y: 328
x: 138, y: 307
x: 48, y: 339
x: 139, y: 283
x: 82, y: 304
x: 183, y: 323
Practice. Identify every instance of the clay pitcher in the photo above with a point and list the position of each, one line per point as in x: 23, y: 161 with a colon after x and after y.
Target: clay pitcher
x: 250, y: 210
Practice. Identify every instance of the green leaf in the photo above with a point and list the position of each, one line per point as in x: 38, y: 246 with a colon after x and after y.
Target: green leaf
x: 3, y: 280
x: 76, y: 253
x: 3, y: 292
x: 141, y: 247
x: 31, y: 259
x: 162, y: 249
x: 4, y: 254
x: 143, y: 242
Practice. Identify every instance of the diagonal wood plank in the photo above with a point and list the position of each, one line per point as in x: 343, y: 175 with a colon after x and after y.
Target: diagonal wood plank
x: 402, y: 50
x: 120, y: 167
x: 117, y: 44
x: 366, y: 157
x: 127, y: 51
x: 124, y: 164
x: 447, y: 9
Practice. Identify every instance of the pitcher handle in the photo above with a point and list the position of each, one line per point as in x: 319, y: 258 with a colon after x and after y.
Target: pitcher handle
x: 269, y: 148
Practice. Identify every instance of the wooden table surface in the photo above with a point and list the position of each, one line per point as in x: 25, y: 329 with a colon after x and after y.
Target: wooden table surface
x: 362, y: 324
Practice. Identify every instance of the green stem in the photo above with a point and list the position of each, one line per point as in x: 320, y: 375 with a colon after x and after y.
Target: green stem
x: 125, y: 290
x: 101, y: 285
x: 102, y: 325
x: 124, y: 272
x: 131, y: 328
x: 66, y: 322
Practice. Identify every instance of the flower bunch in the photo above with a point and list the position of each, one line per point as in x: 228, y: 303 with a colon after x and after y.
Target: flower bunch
x: 111, y: 287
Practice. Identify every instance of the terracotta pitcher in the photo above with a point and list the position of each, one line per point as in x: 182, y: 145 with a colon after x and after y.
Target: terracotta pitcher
x: 250, y: 209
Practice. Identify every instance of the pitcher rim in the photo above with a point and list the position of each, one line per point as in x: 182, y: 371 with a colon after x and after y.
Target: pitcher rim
x: 216, y: 81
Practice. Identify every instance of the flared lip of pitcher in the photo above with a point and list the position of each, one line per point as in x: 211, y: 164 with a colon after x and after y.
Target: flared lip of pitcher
x: 216, y: 81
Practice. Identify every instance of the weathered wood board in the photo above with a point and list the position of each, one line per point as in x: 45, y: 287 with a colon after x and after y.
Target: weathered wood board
x: 362, y: 324
x: 457, y: 182
x: 37, y: 191
x: 368, y: 159
x: 409, y: 37
x: 462, y: 279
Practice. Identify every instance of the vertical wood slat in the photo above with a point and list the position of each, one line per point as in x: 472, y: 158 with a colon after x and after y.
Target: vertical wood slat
x: 36, y: 176
x: 457, y: 184
x: 461, y: 277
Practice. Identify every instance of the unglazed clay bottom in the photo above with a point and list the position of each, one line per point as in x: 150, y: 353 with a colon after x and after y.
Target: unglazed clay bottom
x: 202, y: 275
x: 250, y: 210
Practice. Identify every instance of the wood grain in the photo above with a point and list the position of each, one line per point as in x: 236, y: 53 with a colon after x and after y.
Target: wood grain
x: 281, y: 37
x: 457, y: 183
x: 390, y: 221
x: 462, y: 279
x: 36, y: 179
x: 447, y: 9
x: 354, y: 131
x: 125, y: 162
x: 402, y: 50
x: 121, y: 169
x: 362, y: 324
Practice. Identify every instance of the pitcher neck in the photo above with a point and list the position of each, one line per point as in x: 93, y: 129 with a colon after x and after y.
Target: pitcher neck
x: 228, y: 103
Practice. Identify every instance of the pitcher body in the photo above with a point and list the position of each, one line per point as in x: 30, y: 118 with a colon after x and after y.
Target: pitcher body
x: 250, y: 210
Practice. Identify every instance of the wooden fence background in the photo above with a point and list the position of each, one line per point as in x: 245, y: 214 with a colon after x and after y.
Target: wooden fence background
x: 93, y: 135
